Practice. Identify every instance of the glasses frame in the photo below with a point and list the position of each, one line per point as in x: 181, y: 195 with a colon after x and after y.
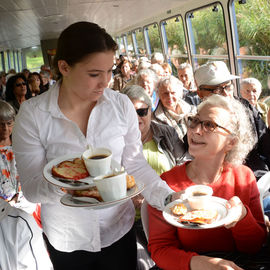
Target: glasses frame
x: 220, y: 89
x: 203, y: 126
x: 142, y: 112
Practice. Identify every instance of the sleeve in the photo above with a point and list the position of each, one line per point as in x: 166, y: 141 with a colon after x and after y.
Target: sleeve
x: 30, y: 158
x: 156, y: 190
x: 250, y: 232
x: 164, y: 245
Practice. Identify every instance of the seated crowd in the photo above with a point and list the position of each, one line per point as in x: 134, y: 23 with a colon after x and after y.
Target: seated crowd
x: 194, y: 130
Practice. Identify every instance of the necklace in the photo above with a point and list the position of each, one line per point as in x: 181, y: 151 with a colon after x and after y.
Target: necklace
x: 147, y: 137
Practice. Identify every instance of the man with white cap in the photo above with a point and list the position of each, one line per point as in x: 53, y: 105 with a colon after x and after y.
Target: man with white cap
x: 215, y: 78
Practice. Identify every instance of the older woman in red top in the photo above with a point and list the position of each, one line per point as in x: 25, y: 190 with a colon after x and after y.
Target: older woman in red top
x: 219, y: 139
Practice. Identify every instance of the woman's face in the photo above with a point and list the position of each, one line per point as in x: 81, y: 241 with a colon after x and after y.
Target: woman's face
x: 168, y: 96
x: 207, y: 144
x: 147, y: 83
x: 144, y: 121
x: 88, y: 78
x: 36, y: 79
x: 5, y: 129
x: 20, y: 88
x: 125, y: 69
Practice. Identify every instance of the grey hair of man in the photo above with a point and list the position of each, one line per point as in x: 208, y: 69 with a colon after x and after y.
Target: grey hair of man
x: 175, y: 84
x: 254, y: 81
x: 184, y: 66
x: 149, y: 73
x: 7, y: 113
x: 45, y: 74
x: 240, y: 127
x: 157, y: 57
x: 136, y: 92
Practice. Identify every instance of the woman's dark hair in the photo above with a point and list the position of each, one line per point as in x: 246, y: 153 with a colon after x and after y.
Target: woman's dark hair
x: 11, y: 85
x: 79, y: 40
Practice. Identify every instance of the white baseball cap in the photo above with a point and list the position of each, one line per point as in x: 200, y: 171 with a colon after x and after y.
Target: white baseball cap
x: 213, y: 73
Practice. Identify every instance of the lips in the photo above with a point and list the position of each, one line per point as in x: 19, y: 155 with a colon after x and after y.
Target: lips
x: 196, y: 142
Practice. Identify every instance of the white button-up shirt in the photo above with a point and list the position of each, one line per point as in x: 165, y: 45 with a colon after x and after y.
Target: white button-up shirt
x: 42, y: 132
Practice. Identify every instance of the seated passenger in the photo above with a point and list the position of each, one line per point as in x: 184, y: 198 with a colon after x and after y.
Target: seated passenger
x: 22, y: 245
x: 251, y: 90
x: 157, y: 58
x: 215, y: 78
x: 10, y: 188
x: 35, y: 84
x: 121, y: 79
x: 185, y: 75
x: 220, y: 136
x: 171, y: 109
x: 162, y: 147
x: 167, y: 69
x: 148, y: 79
x: 17, y: 91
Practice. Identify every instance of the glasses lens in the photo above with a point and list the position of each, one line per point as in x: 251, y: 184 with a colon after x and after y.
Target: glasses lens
x: 193, y: 122
x: 20, y: 84
x: 209, y: 125
x: 142, y: 112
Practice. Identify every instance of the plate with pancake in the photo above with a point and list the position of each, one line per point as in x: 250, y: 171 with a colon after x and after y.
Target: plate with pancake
x: 69, y: 172
x: 84, y: 201
x: 179, y: 213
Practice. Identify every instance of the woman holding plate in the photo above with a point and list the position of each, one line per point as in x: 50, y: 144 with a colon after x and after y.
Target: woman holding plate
x: 79, y: 110
x: 219, y: 139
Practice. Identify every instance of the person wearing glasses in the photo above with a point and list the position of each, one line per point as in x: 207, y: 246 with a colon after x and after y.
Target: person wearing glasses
x: 215, y: 78
x: 172, y: 109
x: 162, y: 147
x: 219, y: 137
x: 17, y: 91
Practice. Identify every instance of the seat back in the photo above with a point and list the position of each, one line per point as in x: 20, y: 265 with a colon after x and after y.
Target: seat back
x: 263, y: 186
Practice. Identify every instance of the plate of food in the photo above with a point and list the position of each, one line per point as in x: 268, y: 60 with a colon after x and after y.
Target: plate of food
x: 90, y: 197
x: 69, y: 172
x: 213, y: 215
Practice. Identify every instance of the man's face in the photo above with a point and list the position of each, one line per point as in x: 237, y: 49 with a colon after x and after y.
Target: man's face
x: 225, y: 89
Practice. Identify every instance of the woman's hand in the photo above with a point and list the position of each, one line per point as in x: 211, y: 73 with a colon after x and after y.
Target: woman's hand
x: 237, y: 211
x: 209, y: 263
x: 137, y: 201
x: 177, y: 195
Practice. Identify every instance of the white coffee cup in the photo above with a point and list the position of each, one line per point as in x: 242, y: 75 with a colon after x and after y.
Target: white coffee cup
x: 97, y: 161
x: 198, y: 196
x: 112, y: 186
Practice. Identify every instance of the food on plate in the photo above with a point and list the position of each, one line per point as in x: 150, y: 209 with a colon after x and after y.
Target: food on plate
x: 179, y: 209
x: 67, y: 169
x: 91, y: 192
x: 203, y: 216
x: 130, y: 181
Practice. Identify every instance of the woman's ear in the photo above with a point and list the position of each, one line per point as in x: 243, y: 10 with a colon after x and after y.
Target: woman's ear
x: 63, y: 67
x: 231, y: 144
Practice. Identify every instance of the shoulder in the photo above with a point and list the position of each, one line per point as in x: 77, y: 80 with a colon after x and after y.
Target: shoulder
x: 162, y: 129
x: 241, y: 172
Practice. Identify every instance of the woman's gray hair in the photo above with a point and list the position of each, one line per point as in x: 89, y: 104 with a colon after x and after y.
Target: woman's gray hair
x: 174, y: 82
x: 149, y: 73
x: 240, y: 126
x: 7, y: 112
x: 136, y: 92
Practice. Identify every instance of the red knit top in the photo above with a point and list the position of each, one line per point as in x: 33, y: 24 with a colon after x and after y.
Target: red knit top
x: 172, y: 248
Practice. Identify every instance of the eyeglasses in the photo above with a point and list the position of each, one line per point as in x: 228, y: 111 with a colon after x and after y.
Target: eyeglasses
x: 220, y: 89
x: 142, y: 112
x: 20, y: 84
x: 207, y: 125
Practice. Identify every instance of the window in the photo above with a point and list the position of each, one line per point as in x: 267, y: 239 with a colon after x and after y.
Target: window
x: 174, y: 42
x: 121, y: 46
x: 6, y: 59
x: 139, y: 42
x: 130, y: 47
x: 207, y: 34
x: 252, y: 41
x: 152, y: 38
x: 34, y: 58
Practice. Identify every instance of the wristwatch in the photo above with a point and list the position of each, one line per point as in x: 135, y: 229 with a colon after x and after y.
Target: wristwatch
x: 168, y: 199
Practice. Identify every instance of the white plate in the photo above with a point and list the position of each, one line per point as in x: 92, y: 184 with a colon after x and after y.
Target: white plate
x: 216, y: 203
x: 68, y: 200
x: 47, y: 172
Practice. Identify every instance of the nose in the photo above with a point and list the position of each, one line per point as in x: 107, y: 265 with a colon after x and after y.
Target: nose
x: 104, y: 80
